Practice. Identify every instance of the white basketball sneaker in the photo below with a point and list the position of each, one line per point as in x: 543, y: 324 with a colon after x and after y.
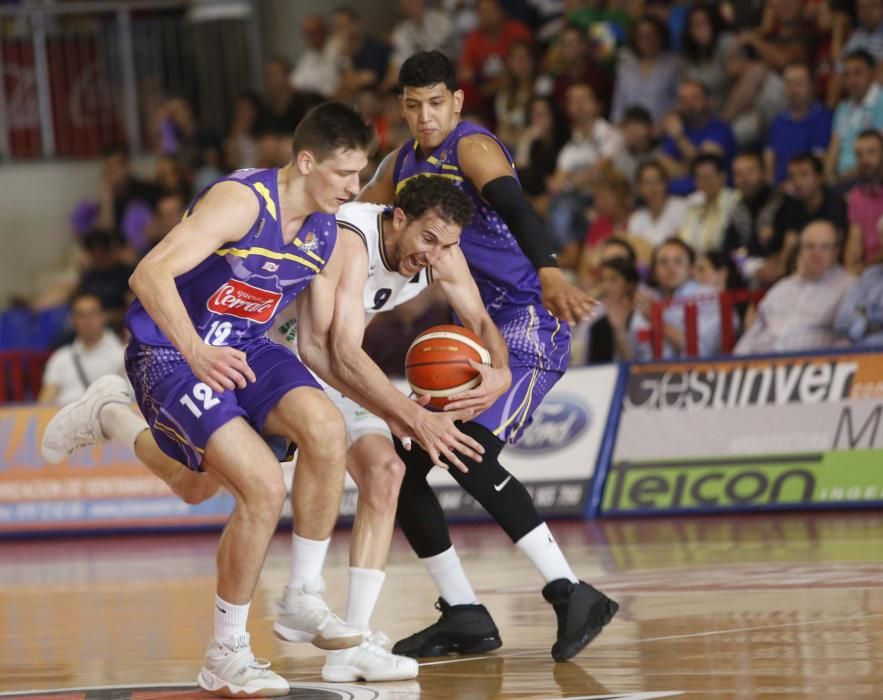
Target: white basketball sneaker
x: 304, y: 616
x: 231, y: 670
x: 76, y: 425
x: 370, y: 661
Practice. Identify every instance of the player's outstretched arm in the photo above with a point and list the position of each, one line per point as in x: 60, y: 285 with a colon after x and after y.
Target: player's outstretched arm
x: 316, y: 311
x: 451, y: 273
x: 381, y: 189
x: 225, y: 214
x: 486, y: 166
x: 331, y: 326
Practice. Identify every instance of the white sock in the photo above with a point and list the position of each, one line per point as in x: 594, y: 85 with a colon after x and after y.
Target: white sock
x: 365, y: 585
x: 121, y: 424
x: 307, y: 560
x: 229, y: 619
x: 544, y: 553
x: 450, y: 579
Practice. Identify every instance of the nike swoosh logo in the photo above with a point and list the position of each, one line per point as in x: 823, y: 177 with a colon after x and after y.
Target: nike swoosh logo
x: 499, y: 487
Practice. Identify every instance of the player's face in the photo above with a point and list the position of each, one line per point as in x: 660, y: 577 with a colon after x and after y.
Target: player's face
x: 431, y: 113
x: 335, y: 180
x: 422, y: 241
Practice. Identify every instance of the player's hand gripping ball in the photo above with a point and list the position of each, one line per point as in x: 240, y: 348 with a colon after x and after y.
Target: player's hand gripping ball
x: 437, y: 364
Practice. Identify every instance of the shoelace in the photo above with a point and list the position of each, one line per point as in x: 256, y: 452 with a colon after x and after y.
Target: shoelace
x: 243, y: 642
x: 380, y: 639
x: 329, y: 618
x: 82, y: 437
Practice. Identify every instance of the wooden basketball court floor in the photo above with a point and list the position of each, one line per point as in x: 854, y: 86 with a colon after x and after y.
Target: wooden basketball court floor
x: 761, y: 606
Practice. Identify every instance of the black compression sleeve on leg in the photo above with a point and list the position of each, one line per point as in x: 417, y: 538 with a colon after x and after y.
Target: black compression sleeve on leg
x: 419, y: 514
x: 506, y: 196
x: 498, y: 491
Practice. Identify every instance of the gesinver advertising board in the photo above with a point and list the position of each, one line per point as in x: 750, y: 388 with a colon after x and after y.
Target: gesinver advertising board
x: 745, y: 434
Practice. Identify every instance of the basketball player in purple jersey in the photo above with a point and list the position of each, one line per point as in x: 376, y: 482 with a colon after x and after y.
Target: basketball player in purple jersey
x: 209, y: 382
x: 507, y: 251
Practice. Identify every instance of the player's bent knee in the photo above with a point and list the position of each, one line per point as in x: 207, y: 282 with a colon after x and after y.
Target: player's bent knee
x: 323, y: 436
x: 317, y: 426
x: 264, y: 496
x: 381, y: 482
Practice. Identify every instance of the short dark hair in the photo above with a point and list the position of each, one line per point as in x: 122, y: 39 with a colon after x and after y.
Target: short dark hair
x: 636, y: 114
x: 331, y: 126
x: 698, y: 83
x: 350, y: 12
x: 116, y: 149
x: 583, y: 84
x: 85, y: 294
x: 721, y: 260
x: 812, y: 159
x: 675, y: 241
x: 571, y: 27
x: 753, y: 154
x: 426, y: 68
x: 803, y: 65
x: 652, y: 164
x: 279, y: 60
x: 431, y: 193
x: 100, y: 239
x: 623, y: 267
x: 631, y: 254
x: 871, y: 134
x: 862, y: 55
x: 712, y: 159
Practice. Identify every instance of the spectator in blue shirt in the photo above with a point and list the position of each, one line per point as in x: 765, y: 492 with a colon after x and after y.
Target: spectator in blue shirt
x: 860, y: 316
x: 693, y: 129
x: 861, y: 110
x: 803, y: 127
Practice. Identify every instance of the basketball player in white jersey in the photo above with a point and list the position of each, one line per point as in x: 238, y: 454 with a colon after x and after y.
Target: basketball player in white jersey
x: 391, y: 253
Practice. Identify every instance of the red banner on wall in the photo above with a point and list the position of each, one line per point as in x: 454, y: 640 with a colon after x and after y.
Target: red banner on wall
x: 85, y: 114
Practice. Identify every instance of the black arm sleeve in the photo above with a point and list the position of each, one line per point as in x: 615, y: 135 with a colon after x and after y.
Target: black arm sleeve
x: 506, y: 196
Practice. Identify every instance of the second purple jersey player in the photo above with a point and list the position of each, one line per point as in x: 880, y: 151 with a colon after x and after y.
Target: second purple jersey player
x: 507, y: 250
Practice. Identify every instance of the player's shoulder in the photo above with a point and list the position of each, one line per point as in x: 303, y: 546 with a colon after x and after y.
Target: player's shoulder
x: 479, y: 146
x: 360, y: 215
x: 477, y: 139
x: 229, y: 191
x: 226, y: 204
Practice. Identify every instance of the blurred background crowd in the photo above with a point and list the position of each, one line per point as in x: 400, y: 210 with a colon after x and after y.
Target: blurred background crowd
x: 712, y: 172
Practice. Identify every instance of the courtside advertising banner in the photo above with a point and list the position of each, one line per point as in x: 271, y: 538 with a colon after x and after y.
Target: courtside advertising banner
x: 102, y: 488
x: 749, y: 434
x: 555, y: 457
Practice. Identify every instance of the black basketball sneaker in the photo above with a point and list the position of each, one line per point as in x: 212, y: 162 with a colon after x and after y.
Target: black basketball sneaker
x: 582, y: 612
x: 461, y: 629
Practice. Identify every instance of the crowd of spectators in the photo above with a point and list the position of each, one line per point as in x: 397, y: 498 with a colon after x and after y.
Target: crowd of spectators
x: 676, y: 151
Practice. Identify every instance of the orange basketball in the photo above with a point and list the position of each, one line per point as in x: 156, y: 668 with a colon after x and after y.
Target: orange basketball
x: 437, y: 364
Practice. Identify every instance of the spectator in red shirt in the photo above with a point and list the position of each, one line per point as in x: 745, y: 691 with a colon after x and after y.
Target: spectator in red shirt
x: 482, y: 63
x: 612, y: 209
x: 865, y: 204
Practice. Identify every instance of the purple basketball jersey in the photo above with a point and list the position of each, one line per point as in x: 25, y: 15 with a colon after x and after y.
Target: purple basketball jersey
x: 233, y: 295
x: 506, y: 279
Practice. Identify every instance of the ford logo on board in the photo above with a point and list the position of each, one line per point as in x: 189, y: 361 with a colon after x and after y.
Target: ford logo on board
x: 557, y: 423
